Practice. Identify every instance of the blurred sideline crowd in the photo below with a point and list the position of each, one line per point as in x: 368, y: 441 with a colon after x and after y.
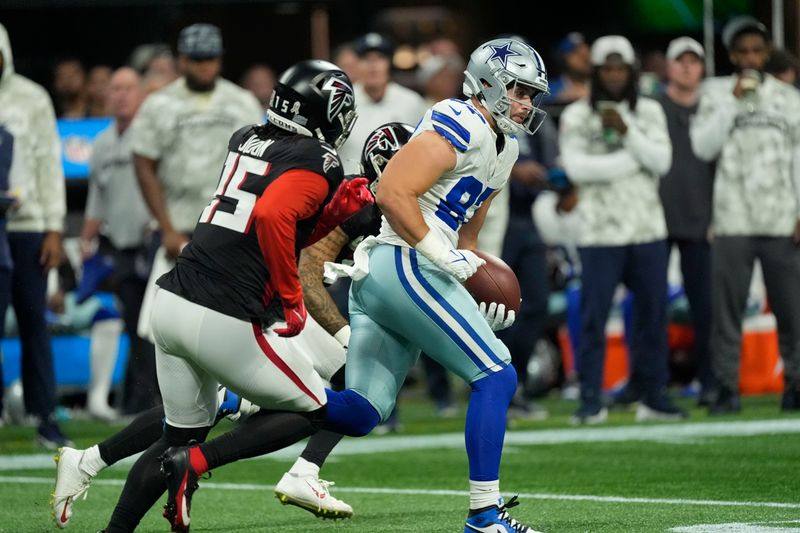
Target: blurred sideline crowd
x: 650, y: 196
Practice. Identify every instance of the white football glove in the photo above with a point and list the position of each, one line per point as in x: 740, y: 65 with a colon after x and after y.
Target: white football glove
x: 461, y: 264
x: 495, y: 315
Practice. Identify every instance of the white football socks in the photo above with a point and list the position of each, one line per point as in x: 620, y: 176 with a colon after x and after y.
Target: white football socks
x: 91, y: 462
x: 103, y: 356
x: 483, y: 493
x: 301, y: 467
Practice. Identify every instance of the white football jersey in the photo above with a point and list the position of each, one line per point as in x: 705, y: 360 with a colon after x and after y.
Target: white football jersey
x: 479, y: 170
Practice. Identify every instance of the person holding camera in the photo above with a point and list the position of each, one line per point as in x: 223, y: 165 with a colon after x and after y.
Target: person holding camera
x: 615, y: 148
x: 750, y: 124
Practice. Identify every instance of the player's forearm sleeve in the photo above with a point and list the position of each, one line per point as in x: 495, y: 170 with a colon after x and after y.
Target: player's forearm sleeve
x: 293, y: 196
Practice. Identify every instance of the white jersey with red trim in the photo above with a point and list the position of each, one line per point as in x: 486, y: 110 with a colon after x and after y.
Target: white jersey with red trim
x: 480, y: 169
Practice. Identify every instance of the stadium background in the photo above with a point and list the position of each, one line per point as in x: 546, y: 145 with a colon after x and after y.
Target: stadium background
x: 279, y: 33
x: 105, y: 32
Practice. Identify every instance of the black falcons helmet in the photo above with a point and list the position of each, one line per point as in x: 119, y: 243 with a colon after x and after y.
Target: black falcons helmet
x: 314, y: 98
x: 379, y: 148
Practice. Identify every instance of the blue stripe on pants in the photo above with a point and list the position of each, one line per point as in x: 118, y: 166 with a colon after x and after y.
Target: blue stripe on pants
x: 450, y: 309
x: 391, y: 324
x: 420, y: 302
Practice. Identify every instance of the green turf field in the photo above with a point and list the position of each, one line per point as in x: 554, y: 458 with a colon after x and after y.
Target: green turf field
x: 730, y: 474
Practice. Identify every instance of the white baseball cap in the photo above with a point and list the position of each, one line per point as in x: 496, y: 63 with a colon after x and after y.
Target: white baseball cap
x: 738, y: 25
x: 681, y: 45
x: 612, y: 44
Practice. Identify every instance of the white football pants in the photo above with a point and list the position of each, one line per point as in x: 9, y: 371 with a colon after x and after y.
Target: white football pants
x: 198, y: 348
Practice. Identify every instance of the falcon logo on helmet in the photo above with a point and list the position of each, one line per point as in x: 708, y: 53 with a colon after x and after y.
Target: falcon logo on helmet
x: 323, y: 104
x: 381, y: 145
x: 340, y: 94
x: 383, y: 138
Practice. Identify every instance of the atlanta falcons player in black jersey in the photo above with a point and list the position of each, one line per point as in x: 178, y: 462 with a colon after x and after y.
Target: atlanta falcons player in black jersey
x: 223, y: 314
x: 300, y: 486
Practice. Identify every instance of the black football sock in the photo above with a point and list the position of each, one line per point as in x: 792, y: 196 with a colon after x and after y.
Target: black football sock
x: 322, y: 443
x: 320, y: 446
x: 137, y: 436
x: 145, y: 483
x: 261, y: 433
x: 337, y: 380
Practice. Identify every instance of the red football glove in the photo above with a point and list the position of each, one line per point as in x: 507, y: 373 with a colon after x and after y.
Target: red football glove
x: 348, y: 199
x: 295, y: 320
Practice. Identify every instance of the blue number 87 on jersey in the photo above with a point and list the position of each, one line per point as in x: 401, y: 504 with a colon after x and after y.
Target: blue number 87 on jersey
x: 467, y: 193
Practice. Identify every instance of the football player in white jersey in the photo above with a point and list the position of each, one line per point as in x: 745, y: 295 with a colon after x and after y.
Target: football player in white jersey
x: 407, y: 293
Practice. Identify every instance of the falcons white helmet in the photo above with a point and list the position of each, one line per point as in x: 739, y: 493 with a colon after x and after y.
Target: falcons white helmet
x: 502, y: 64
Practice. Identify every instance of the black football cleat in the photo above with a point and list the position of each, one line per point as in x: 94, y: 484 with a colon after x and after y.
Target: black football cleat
x: 181, y: 483
x: 726, y: 402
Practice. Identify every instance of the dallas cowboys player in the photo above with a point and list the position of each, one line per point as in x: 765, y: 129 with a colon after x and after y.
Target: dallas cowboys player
x: 407, y: 294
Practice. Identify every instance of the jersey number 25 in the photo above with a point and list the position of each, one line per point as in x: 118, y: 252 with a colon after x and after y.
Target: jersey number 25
x: 236, y: 169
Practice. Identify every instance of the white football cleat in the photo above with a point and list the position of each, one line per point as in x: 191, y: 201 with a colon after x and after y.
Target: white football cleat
x: 71, y: 484
x: 311, y: 494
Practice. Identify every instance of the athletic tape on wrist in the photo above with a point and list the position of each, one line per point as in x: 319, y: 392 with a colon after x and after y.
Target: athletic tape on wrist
x: 432, y: 247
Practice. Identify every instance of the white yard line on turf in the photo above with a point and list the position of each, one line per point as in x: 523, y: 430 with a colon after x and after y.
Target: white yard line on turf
x: 433, y: 492
x: 740, y: 527
x: 396, y: 443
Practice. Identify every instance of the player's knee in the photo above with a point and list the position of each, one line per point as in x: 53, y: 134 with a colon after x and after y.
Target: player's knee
x: 504, y: 382
x: 350, y: 413
x: 176, y: 436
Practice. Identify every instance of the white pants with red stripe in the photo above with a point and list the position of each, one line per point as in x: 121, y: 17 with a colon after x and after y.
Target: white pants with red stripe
x: 198, y: 348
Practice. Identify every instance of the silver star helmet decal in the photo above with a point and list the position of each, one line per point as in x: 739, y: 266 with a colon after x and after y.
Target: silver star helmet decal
x: 502, y: 52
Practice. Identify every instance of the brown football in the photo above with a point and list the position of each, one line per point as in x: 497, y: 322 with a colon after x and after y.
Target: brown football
x: 494, y: 282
